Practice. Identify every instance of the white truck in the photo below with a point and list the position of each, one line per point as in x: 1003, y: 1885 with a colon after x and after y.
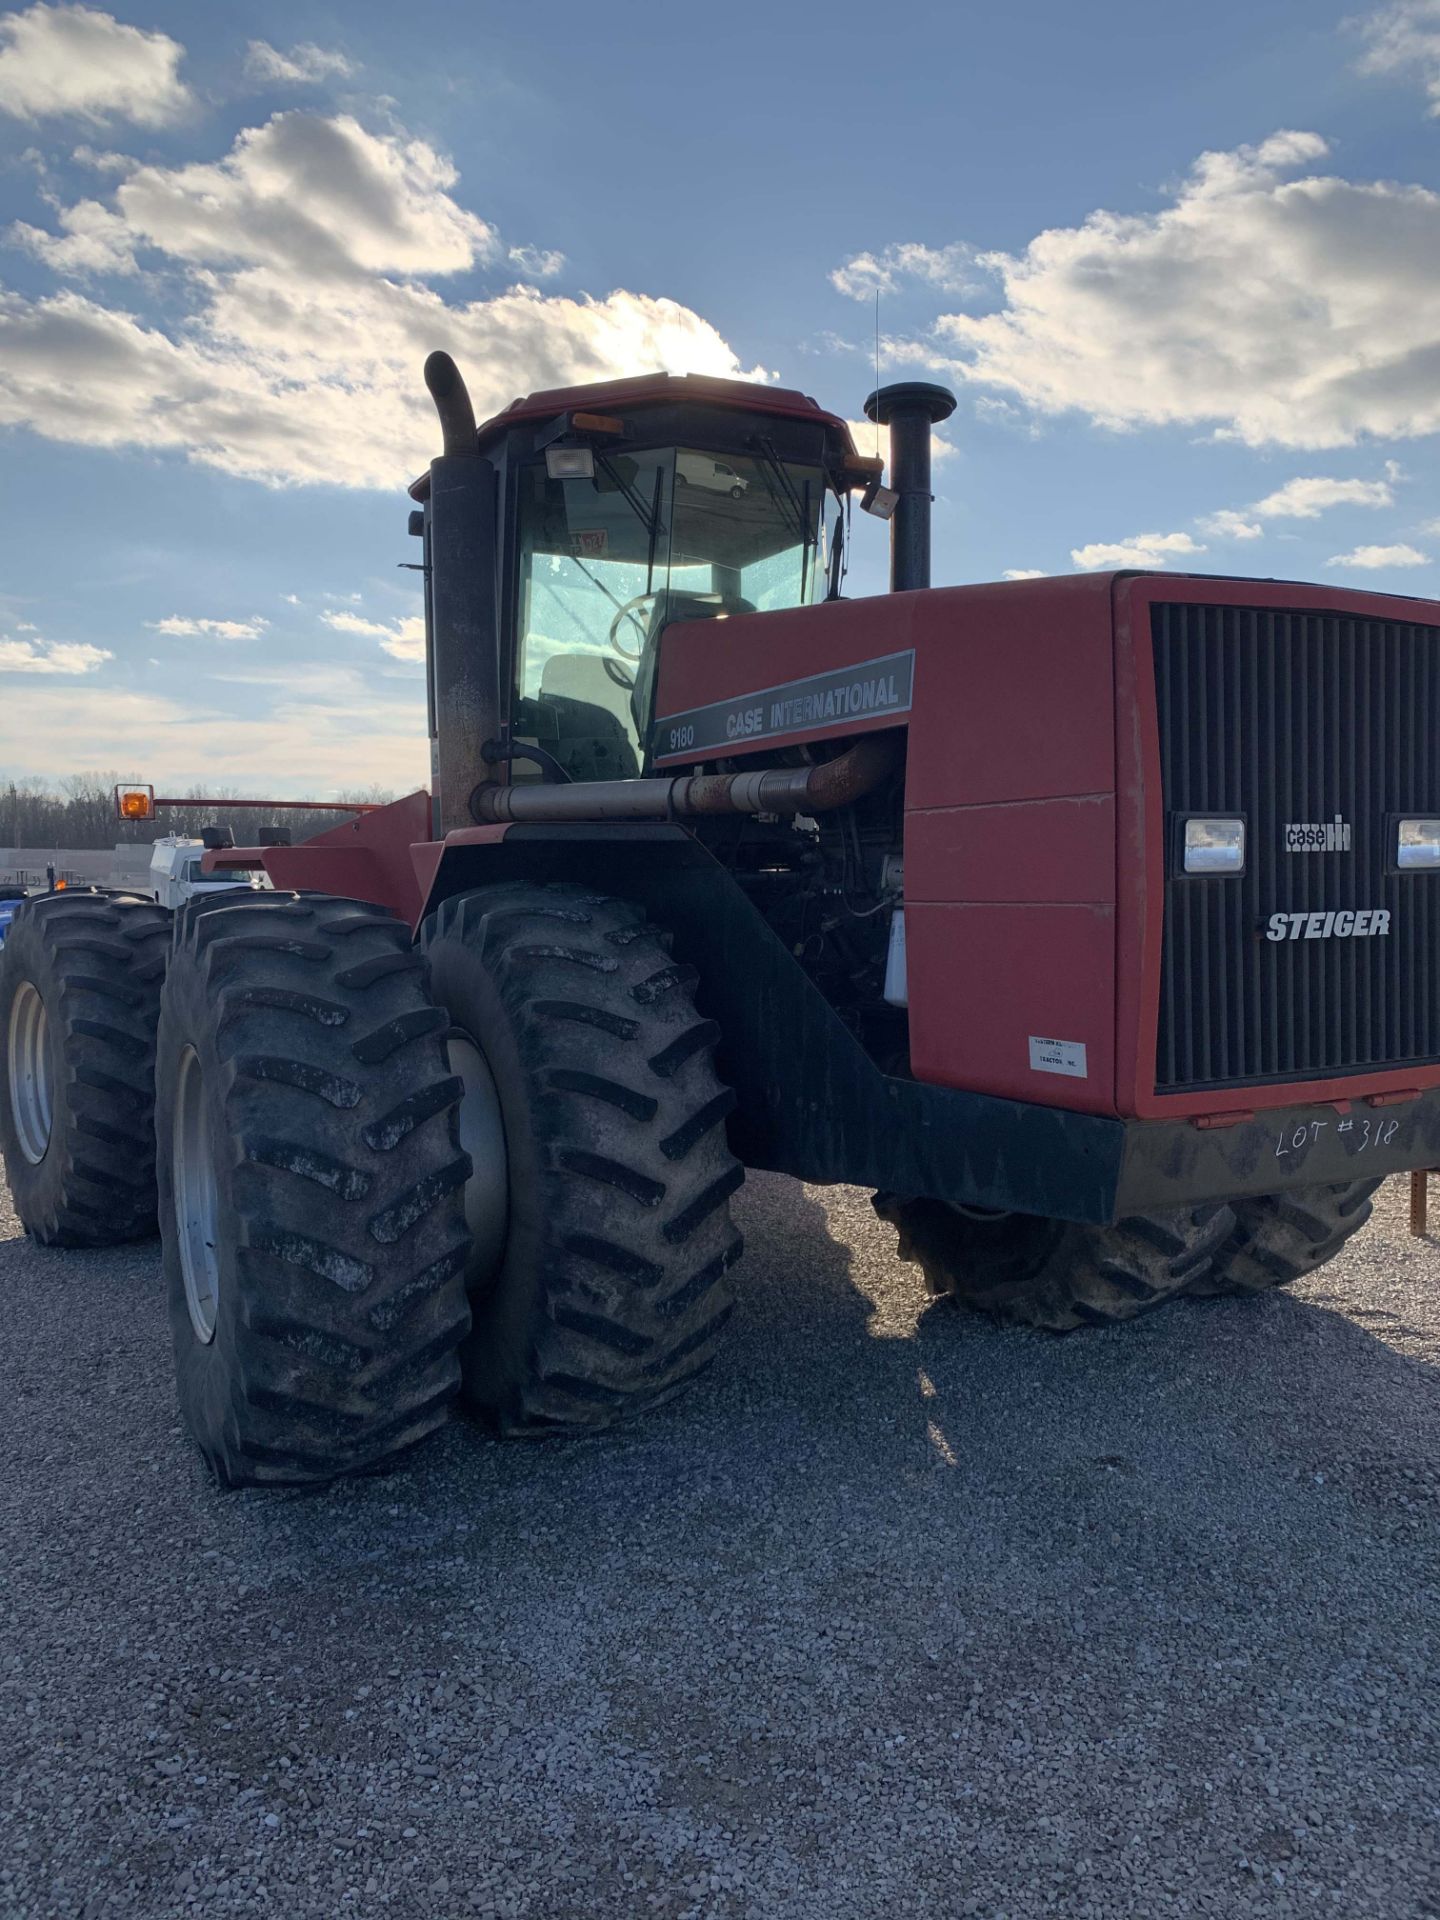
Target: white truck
x: 172, y: 875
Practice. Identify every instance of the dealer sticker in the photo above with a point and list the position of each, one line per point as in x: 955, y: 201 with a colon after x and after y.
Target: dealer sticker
x: 1058, y: 1056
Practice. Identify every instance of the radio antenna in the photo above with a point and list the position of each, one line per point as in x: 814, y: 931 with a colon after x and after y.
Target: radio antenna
x: 877, y: 363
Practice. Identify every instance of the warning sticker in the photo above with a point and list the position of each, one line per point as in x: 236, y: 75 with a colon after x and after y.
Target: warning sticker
x: 1058, y: 1056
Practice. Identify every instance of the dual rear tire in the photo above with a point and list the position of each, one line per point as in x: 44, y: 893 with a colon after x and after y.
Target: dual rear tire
x: 354, y: 1157
x: 359, y: 1140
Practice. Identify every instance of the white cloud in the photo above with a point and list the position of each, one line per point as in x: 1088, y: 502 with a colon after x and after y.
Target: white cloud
x: 1140, y: 550
x: 312, y: 194
x: 403, y: 639
x: 67, y: 657
x: 93, y: 240
x: 1405, y: 38
x: 303, y: 66
x: 952, y: 269
x: 75, y: 61
x: 102, y: 162
x: 1372, y: 558
x: 1307, y: 499
x: 1024, y: 573
x: 301, y: 261
x: 536, y: 263
x: 1303, y: 312
x: 180, y: 624
x: 1229, y: 525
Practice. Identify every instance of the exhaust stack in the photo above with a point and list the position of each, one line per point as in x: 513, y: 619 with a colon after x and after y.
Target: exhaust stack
x: 463, y: 627
x: 910, y: 409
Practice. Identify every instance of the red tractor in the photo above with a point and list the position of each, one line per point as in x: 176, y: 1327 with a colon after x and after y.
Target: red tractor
x: 1093, y: 922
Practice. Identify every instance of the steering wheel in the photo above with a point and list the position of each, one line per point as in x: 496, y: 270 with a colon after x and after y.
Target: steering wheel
x: 628, y: 611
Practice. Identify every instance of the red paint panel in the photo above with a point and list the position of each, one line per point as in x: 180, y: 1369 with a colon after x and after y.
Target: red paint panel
x: 365, y: 859
x: 984, y: 979
x: 1026, y: 850
x: 1013, y: 697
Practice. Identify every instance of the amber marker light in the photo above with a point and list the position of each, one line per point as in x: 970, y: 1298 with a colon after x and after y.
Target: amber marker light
x: 135, y: 803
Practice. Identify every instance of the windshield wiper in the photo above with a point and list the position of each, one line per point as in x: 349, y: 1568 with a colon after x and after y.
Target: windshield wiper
x: 784, y: 493
x: 648, y: 517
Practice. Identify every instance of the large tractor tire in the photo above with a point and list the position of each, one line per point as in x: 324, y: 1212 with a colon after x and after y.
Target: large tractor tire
x: 80, y: 979
x: 1283, y: 1236
x: 310, y: 1188
x: 1050, y: 1273
x: 599, y: 1206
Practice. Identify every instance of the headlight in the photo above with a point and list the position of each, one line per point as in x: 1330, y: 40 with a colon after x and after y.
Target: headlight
x: 1213, y: 844
x: 1417, y: 845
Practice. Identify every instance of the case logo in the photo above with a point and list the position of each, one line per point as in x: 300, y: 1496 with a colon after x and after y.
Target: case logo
x: 870, y: 690
x: 1317, y: 836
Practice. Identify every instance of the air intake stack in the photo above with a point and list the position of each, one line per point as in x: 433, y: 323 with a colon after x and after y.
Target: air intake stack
x: 910, y: 409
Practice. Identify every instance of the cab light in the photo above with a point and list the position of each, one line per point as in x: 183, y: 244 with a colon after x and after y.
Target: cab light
x: 1214, y: 845
x: 570, y: 463
x: 1417, y: 846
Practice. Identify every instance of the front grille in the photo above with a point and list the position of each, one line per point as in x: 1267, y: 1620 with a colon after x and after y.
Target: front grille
x: 1292, y: 718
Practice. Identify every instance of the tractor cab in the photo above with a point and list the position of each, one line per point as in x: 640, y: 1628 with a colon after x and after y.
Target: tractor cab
x: 623, y: 508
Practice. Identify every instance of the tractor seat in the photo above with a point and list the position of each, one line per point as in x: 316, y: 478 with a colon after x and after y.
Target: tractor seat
x: 587, y: 718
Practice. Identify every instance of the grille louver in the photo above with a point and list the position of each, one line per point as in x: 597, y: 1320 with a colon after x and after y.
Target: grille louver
x: 1292, y: 718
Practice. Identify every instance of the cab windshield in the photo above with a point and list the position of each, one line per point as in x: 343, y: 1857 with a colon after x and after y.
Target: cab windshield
x: 607, y: 562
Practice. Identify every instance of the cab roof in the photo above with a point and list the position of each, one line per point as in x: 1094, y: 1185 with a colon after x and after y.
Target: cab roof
x: 665, y: 390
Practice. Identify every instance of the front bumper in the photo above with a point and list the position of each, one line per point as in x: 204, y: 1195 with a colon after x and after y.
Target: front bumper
x: 1174, y: 1162
x: 973, y: 1150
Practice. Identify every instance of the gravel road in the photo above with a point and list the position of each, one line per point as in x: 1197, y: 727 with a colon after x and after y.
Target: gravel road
x: 895, y: 1614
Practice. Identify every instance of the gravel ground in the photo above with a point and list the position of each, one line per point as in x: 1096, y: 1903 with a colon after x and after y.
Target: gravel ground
x: 895, y: 1614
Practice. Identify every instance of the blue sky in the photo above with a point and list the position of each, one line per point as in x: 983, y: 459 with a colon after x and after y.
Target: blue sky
x: 1181, y: 264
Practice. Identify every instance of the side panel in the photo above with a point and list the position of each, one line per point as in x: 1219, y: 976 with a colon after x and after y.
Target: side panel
x: 1015, y: 1000
x: 1010, y: 844
x: 1021, y: 850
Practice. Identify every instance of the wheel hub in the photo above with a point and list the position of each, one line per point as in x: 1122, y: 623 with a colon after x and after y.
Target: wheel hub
x: 32, y: 1102
x: 196, y: 1198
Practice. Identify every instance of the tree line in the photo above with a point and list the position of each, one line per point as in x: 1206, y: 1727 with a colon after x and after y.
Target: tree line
x: 78, y: 813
